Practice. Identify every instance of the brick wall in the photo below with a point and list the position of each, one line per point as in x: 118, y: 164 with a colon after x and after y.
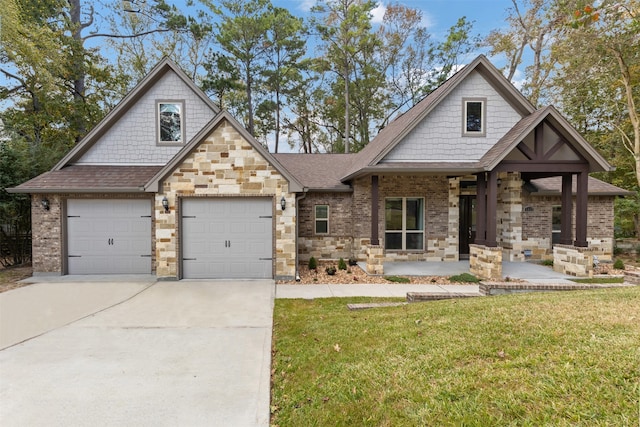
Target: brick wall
x: 224, y: 165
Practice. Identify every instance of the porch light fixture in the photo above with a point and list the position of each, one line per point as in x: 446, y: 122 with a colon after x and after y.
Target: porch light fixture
x: 165, y: 204
x: 499, y: 182
x: 283, y: 203
x: 45, y: 204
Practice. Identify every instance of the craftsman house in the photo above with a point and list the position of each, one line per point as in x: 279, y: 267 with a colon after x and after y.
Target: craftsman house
x: 169, y: 185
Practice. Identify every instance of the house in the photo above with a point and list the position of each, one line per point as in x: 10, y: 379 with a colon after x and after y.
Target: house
x: 169, y: 185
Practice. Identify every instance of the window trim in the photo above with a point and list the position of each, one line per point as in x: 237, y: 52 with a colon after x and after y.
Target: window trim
x: 316, y: 219
x: 181, y: 103
x: 404, y: 230
x: 483, y: 112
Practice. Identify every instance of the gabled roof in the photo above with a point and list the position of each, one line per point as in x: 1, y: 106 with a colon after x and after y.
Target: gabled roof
x: 394, y: 132
x: 153, y: 185
x: 164, y: 66
x: 318, y: 171
x: 511, y: 139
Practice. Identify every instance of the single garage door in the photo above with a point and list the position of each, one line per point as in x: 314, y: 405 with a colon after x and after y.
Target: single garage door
x: 109, y: 236
x: 227, y: 238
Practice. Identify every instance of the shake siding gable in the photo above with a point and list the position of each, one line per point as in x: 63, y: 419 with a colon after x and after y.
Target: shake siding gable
x: 132, y: 139
x: 439, y: 136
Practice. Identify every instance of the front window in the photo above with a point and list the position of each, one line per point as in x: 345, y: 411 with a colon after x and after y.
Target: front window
x: 474, y: 117
x: 322, y: 219
x: 170, y: 122
x: 404, y: 223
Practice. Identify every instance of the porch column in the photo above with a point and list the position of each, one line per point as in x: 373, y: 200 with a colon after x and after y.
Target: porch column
x: 581, y: 209
x: 375, y: 240
x: 492, y: 209
x: 481, y: 209
x: 566, y: 214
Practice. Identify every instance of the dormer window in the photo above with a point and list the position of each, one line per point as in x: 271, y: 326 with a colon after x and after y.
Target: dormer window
x: 474, y: 120
x: 170, y: 119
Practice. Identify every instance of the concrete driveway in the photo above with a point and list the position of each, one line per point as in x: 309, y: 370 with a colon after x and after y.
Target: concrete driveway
x: 192, y: 353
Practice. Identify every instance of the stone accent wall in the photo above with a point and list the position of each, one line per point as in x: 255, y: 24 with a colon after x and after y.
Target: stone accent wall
x: 47, y: 235
x: 485, y: 262
x: 536, y: 220
x: 327, y: 248
x: 574, y: 261
x: 224, y: 165
x: 509, y: 216
x: 452, y: 241
x: 375, y: 259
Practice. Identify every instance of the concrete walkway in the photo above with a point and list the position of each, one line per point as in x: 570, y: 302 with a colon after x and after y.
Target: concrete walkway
x: 385, y: 291
x: 192, y: 353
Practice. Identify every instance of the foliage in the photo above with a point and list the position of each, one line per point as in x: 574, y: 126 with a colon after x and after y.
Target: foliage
x: 464, y: 278
x: 618, y: 264
x: 600, y: 280
x: 398, y: 279
x: 527, y: 359
x: 342, y: 265
x: 331, y: 271
x: 313, y: 263
x: 547, y: 262
x: 353, y: 261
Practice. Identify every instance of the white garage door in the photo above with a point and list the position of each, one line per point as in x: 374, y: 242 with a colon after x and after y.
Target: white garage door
x: 227, y: 238
x: 109, y: 236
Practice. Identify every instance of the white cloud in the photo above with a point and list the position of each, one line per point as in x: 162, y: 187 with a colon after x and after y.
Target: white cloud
x: 518, y: 79
x: 377, y: 14
x: 306, y: 5
x: 427, y: 21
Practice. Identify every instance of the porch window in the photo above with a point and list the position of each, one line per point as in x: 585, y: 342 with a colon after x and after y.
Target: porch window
x: 474, y: 117
x: 404, y: 223
x: 322, y: 219
x: 170, y: 122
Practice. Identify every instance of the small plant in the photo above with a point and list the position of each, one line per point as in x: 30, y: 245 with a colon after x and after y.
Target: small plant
x: 313, y: 264
x: 618, y: 265
x: 507, y: 279
x: 330, y: 271
x: 547, y: 262
x: 398, y: 279
x: 617, y: 250
x: 353, y: 261
x: 464, y: 278
x: 341, y: 264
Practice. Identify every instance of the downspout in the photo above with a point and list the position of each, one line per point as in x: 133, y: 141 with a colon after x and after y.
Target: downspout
x: 298, y: 198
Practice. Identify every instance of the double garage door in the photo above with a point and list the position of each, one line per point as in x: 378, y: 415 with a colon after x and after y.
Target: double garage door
x: 227, y: 238
x: 108, y: 236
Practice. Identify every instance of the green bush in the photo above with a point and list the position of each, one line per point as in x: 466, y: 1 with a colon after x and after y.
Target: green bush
x: 398, y: 279
x: 618, y: 265
x: 330, y: 270
x: 342, y: 265
x: 313, y: 263
x: 464, y: 278
x: 547, y: 262
x: 353, y: 261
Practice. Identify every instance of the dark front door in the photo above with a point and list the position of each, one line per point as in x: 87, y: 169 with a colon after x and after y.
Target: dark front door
x: 467, y: 224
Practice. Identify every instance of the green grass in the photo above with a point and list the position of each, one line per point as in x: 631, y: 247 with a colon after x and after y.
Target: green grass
x: 398, y: 279
x: 561, y: 359
x: 464, y: 278
x: 600, y: 280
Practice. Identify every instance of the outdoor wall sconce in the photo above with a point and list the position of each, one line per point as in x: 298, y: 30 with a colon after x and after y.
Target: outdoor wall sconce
x: 499, y: 182
x: 283, y: 203
x: 165, y: 204
x: 45, y: 204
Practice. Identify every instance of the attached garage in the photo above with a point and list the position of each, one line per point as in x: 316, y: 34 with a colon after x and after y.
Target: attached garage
x: 227, y: 238
x: 111, y: 236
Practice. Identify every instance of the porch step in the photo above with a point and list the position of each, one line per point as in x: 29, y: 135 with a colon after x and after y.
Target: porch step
x: 435, y: 296
x: 500, y: 288
x: 632, y: 277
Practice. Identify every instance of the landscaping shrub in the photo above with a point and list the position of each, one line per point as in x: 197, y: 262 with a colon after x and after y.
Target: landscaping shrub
x: 618, y: 265
x: 313, y: 263
x: 464, y: 278
x: 398, y: 279
x: 330, y: 271
x: 547, y: 262
x: 342, y: 265
x: 353, y: 261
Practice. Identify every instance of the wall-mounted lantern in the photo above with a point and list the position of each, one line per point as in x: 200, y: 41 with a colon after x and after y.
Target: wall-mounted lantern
x: 283, y: 203
x: 45, y: 204
x: 165, y: 204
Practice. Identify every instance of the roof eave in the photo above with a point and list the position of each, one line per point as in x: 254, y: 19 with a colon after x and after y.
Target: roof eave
x: 75, y: 190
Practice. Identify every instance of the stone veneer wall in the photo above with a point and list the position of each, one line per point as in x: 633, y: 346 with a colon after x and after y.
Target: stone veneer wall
x: 574, y: 261
x: 509, y: 216
x: 536, y: 220
x: 485, y: 262
x: 224, y: 165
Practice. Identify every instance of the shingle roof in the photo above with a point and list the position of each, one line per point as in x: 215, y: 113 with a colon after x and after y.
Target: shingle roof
x: 90, y: 178
x: 318, y: 171
x: 552, y: 186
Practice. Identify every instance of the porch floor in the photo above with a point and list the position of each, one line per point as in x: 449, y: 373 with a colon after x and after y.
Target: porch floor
x: 530, y: 272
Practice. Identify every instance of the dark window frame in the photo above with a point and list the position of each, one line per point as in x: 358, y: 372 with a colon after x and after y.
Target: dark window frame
x: 182, y: 122
x: 483, y: 117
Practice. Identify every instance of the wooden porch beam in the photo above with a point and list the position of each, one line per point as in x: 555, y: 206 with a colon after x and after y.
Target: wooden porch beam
x: 375, y: 239
x: 492, y: 208
x: 481, y: 207
x: 566, y: 214
x: 581, y: 210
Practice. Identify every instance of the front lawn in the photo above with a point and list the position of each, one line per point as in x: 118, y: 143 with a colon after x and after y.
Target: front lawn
x: 564, y: 358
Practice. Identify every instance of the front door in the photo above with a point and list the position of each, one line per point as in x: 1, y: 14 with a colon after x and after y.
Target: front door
x: 467, y: 224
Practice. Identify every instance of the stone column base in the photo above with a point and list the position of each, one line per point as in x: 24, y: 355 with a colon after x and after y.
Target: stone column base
x: 485, y: 262
x: 574, y: 260
x: 375, y: 258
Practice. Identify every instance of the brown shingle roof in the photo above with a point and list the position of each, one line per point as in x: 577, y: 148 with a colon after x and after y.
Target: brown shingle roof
x: 552, y: 186
x: 90, y: 178
x: 318, y: 171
